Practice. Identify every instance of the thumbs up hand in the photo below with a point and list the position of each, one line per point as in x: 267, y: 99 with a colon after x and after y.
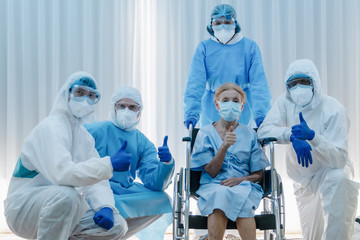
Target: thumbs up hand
x: 302, y: 131
x: 163, y: 152
x: 230, y: 137
x: 121, y: 160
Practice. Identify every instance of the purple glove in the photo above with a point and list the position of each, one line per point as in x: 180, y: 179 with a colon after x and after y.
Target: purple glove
x: 302, y: 131
x: 163, y: 152
x: 104, y: 218
x: 121, y: 160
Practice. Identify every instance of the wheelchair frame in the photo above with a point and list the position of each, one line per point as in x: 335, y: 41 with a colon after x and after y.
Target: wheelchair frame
x: 271, y: 219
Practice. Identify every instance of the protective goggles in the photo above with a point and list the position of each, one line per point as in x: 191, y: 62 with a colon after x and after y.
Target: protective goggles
x: 80, y: 92
x: 296, y: 81
x: 222, y: 20
x: 130, y: 106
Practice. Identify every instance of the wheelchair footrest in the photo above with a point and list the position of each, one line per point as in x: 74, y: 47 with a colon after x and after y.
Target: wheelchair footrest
x: 263, y: 222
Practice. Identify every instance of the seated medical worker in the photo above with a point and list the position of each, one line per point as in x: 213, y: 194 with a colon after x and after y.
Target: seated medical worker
x: 139, y: 203
x: 60, y: 188
x: 315, y: 127
x: 231, y: 160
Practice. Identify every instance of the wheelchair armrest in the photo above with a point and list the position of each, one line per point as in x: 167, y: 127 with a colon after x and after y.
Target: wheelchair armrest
x: 195, y: 177
x: 266, y: 182
x: 266, y: 141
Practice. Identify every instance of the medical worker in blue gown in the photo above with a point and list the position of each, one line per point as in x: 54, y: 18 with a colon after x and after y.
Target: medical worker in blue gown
x: 231, y: 161
x: 227, y: 56
x: 139, y: 203
x: 60, y: 188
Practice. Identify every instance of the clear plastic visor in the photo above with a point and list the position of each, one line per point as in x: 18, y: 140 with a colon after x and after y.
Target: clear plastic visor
x: 80, y: 92
x: 131, y: 105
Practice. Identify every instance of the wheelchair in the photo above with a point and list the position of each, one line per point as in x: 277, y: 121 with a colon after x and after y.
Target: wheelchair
x: 186, y: 183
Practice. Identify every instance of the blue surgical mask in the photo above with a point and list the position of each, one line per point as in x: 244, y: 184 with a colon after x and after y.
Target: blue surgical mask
x: 230, y: 111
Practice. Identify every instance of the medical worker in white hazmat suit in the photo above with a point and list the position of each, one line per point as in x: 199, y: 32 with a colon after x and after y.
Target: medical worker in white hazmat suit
x: 60, y: 188
x: 315, y: 126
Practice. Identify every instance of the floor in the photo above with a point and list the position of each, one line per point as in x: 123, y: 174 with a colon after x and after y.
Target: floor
x: 228, y: 236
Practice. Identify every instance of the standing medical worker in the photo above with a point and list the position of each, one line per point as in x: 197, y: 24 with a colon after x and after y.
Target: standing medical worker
x: 132, y: 198
x: 59, y: 188
x: 315, y: 126
x: 226, y: 57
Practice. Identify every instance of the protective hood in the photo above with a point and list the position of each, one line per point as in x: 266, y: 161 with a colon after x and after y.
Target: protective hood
x: 120, y: 93
x: 61, y: 105
x: 307, y: 67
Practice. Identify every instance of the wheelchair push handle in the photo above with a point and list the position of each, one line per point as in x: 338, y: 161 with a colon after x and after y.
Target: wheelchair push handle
x: 190, y: 130
x: 266, y: 141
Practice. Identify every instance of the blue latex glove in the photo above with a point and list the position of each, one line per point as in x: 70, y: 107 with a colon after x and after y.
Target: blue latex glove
x: 259, y: 121
x: 190, y: 120
x: 302, y: 130
x: 104, y: 218
x: 121, y: 160
x: 302, y: 149
x: 163, y: 152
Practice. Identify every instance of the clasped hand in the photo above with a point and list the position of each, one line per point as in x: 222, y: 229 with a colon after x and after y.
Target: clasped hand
x: 104, y: 218
x: 233, y: 181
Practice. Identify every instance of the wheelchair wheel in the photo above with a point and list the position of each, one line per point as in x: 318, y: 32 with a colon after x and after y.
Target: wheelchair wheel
x: 281, y: 204
x: 276, y: 206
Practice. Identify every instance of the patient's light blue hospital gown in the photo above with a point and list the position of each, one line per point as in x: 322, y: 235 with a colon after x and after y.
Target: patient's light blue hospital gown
x: 242, y: 158
x: 132, y: 198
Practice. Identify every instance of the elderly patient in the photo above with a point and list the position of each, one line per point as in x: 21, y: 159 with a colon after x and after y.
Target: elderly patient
x: 140, y: 203
x: 231, y: 161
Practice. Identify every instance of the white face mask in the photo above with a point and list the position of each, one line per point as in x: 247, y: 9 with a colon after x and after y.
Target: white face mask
x: 127, y: 119
x: 80, y: 109
x: 230, y: 111
x: 301, y: 94
x: 224, y: 33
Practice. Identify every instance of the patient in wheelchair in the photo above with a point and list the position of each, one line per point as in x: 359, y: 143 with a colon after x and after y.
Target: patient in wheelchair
x: 231, y: 161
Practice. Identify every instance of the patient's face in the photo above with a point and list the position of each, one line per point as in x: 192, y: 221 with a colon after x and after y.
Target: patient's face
x: 230, y: 95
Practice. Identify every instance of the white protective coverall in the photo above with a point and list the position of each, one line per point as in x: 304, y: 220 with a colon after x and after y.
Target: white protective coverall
x: 60, y: 181
x: 325, y: 194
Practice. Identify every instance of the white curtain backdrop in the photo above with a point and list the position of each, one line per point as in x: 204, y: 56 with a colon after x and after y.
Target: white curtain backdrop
x: 149, y: 44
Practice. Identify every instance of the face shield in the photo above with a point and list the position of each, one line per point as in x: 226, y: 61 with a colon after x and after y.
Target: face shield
x: 80, y: 92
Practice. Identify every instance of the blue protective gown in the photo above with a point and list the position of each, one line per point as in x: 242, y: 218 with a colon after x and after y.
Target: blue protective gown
x: 214, y: 64
x: 132, y: 198
x: 242, y: 158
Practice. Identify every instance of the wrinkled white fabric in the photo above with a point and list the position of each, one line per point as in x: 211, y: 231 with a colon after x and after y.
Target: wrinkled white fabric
x: 325, y: 193
x: 61, y: 154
